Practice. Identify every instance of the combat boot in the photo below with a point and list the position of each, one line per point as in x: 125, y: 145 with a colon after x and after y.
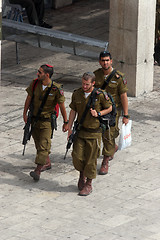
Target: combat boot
x: 81, y: 181
x: 87, y: 189
x: 104, y: 166
x: 36, y: 173
x: 47, y: 166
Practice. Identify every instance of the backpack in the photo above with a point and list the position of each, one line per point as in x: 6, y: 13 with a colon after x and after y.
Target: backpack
x: 108, y: 120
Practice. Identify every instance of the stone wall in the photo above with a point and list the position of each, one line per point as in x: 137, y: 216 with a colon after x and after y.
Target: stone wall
x: 131, y: 41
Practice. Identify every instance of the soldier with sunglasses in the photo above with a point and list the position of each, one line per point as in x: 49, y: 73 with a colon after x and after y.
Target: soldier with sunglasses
x: 117, y: 87
x: 42, y: 128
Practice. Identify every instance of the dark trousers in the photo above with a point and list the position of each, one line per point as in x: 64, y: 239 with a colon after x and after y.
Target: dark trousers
x: 34, y: 10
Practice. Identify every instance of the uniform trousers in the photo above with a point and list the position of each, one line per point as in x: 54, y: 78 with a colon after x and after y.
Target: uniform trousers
x: 85, y: 153
x: 109, y: 137
x: 42, y: 139
x: 34, y: 9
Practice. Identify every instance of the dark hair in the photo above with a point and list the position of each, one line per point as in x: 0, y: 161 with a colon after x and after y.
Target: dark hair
x: 89, y: 75
x: 48, y: 69
x: 104, y: 54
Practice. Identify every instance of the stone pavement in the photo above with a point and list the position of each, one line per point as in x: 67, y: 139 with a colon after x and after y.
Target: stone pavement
x: 124, y: 204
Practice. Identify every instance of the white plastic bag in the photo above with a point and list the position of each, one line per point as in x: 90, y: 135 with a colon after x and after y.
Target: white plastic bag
x: 125, y: 138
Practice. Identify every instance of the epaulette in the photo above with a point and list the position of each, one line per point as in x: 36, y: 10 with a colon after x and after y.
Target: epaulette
x: 106, y: 95
x: 98, y: 91
x: 59, y: 87
x: 54, y: 87
x: 119, y: 74
x: 122, y: 76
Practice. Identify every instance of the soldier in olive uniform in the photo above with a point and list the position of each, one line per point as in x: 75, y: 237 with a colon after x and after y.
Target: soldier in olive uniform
x: 86, y: 147
x: 42, y: 130
x: 117, y: 87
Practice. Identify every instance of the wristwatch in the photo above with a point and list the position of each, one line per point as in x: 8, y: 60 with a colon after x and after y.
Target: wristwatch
x: 66, y: 122
x: 99, y: 114
x: 126, y: 116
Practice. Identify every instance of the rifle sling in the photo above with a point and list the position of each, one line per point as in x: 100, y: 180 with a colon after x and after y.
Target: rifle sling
x: 87, y: 107
x: 108, y: 79
x: 42, y: 104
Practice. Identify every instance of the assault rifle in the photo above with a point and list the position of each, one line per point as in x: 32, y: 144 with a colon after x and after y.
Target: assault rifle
x: 27, y: 128
x: 72, y: 137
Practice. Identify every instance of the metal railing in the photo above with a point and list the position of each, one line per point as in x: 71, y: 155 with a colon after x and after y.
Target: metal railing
x: 51, y: 39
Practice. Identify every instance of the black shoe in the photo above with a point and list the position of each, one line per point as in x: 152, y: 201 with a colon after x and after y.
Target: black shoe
x: 45, y: 25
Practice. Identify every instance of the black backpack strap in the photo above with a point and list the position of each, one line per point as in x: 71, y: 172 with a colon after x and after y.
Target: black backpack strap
x: 94, y: 97
x: 108, y: 79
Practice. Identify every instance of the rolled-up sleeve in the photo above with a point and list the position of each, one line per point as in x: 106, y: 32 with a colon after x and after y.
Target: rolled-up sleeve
x: 72, y: 105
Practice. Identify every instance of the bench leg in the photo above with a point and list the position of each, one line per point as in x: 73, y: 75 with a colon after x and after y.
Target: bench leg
x: 17, y: 54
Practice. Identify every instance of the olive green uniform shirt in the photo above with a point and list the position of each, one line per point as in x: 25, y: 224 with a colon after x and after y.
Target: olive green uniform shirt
x: 116, y: 86
x: 55, y: 96
x: 78, y: 104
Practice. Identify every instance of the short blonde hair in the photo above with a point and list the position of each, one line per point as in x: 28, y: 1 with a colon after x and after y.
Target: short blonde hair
x: 89, y: 75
